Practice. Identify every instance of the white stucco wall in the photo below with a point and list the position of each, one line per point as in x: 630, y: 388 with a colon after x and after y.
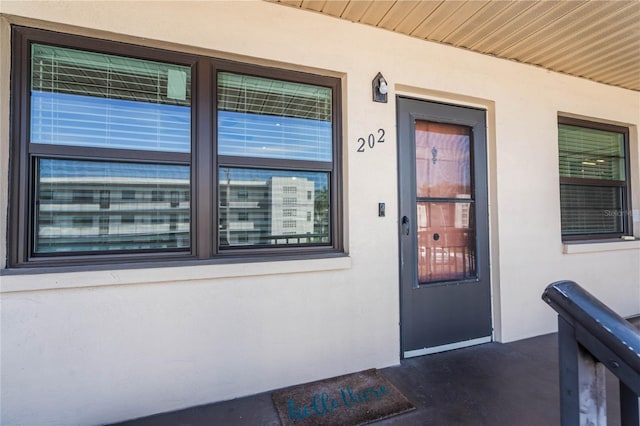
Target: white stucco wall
x: 102, y: 346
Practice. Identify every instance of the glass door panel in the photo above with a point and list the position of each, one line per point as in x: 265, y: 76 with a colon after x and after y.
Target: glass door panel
x: 446, y: 242
x: 443, y: 169
x: 444, y: 202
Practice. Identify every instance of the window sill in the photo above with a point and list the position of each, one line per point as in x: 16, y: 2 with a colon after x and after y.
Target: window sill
x: 35, y: 281
x: 599, y: 246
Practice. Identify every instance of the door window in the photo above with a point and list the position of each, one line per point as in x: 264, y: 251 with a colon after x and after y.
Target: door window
x: 445, y: 204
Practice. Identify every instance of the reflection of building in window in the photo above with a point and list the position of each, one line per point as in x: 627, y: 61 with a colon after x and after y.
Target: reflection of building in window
x: 157, y: 195
x: 86, y: 216
x: 81, y: 215
x: 128, y: 195
x: 462, y: 214
x: 82, y: 196
x: 105, y: 199
x: 129, y: 218
x: 289, y: 201
x: 263, y: 212
x: 81, y: 221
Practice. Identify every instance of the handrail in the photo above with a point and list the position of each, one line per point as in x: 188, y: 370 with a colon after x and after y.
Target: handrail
x: 576, y: 304
x: 591, y: 335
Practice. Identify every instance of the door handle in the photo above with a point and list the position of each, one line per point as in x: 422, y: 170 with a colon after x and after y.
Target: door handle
x: 405, y: 225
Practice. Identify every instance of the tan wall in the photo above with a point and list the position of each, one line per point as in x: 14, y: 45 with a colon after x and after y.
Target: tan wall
x: 95, y: 347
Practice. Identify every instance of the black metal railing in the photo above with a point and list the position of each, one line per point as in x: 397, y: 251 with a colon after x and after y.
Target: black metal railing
x: 591, y: 337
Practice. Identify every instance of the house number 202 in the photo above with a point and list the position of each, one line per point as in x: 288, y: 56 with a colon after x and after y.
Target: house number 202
x: 371, y: 140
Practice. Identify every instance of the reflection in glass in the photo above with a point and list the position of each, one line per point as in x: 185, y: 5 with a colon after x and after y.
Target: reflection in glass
x: 446, y: 241
x: 442, y: 160
x: 88, y: 206
x: 266, y: 118
x: 445, y: 209
x: 591, y: 153
x: 272, y: 208
x: 591, y: 209
x: 90, y: 99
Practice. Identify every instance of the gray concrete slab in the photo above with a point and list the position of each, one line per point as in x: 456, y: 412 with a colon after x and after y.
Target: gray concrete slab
x: 487, y: 385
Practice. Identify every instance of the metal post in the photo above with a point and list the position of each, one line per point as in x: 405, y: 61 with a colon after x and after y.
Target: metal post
x: 629, y: 406
x: 592, y: 337
x: 569, y: 388
x: 582, y: 382
x: 593, y: 393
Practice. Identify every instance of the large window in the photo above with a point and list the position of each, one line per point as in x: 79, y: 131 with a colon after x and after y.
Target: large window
x: 122, y: 153
x: 594, y: 180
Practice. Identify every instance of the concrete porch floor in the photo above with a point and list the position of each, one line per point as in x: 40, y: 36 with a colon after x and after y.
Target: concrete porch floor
x: 490, y: 385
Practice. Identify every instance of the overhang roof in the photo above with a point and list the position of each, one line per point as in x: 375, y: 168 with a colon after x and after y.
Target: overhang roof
x: 594, y: 39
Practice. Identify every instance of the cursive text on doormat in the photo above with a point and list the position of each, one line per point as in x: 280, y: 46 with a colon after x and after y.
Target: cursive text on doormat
x: 322, y: 404
x: 349, y: 400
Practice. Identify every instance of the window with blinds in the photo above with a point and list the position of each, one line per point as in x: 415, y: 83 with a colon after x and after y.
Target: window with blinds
x: 113, y: 160
x: 261, y: 122
x: 94, y: 100
x: 268, y: 118
x: 106, y: 101
x: 594, y: 184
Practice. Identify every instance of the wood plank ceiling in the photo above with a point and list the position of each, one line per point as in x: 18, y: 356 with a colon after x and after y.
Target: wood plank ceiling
x: 594, y: 39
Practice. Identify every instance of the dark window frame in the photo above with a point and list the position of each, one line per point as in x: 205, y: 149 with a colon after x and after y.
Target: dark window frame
x: 625, y: 208
x: 203, y: 159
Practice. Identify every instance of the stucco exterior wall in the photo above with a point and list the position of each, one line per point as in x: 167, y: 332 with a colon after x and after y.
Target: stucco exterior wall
x: 101, y: 346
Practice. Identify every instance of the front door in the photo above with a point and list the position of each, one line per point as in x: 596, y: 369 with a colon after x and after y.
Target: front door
x: 443, y: 225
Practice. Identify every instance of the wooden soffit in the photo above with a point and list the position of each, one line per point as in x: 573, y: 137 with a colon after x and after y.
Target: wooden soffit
x: 594, y: 39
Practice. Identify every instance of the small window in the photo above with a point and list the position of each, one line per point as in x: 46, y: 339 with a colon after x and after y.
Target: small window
x: 105, y: 199
x: 128, y: 194
x: 157, y: 195
x: 82, y: 221
x: 80, y: 195
x: 127, y: 218
x: 594, y: 180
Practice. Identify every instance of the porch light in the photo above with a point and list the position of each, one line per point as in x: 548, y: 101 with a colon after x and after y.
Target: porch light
x: 379, y: 88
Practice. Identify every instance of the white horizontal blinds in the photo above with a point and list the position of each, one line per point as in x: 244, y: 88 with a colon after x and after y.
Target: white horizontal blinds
x: 590, y: 209
x: 267, y: 118
x: 592, y: 180
x: 272, y: 208
x: 90, y: 99
x: 89, y: 206
x: 591, y: 153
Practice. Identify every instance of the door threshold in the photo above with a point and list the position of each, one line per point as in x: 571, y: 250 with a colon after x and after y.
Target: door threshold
x: 447, y: 347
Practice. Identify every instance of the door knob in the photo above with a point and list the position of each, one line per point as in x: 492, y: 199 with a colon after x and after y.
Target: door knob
x: 405, y: 225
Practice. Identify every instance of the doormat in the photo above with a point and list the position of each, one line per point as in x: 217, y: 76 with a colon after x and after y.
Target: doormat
x: 350, y: 400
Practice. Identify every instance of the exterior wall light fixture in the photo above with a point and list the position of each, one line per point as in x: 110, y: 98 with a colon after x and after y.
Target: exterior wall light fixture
x: 379, y: 88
